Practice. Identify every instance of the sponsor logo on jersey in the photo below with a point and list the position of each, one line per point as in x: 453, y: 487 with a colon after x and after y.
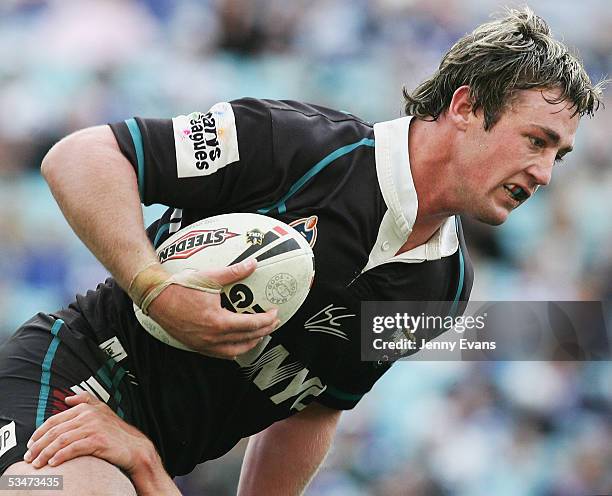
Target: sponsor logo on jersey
x: 112, y: 347
x: 8, y: 438
x: 205, y: 142
x: 203, y: 134
x: 282, y: 379
x: 327, y: 321
x: 193, y: 242
x: 307, y: 227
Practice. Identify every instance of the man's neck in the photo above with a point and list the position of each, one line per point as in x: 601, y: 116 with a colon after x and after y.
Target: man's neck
x: 422, y: 231
x: 428, y: 152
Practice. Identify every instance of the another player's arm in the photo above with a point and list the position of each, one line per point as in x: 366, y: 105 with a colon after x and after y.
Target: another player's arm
x: 97, y: 190
x: 283, y: 459
x: 90, y: 427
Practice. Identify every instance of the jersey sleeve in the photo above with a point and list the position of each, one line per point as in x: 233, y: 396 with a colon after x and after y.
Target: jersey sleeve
x: 349, y: 389
x: 245, y: 155
x: 221, y: 159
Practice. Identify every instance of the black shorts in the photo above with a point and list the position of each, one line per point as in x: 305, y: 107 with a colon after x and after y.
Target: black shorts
x: 46, y: 360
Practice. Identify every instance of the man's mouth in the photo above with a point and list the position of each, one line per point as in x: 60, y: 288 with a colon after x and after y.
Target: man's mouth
x: 516, y: 192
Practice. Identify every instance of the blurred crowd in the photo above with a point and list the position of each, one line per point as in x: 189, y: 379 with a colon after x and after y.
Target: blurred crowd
x: 453, y: 428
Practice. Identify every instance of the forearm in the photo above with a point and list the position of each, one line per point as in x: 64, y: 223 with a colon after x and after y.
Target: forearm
x: 97, y: 191
x: 151, y: 479
x: 284, y: 458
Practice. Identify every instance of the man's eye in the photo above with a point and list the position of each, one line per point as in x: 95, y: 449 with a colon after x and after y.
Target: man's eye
x: 537, y: 142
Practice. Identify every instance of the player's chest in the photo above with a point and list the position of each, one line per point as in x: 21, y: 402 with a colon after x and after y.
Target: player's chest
x: 339, y: 243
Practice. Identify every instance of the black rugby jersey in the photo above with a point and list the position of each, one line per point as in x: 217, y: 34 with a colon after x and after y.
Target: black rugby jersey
x: 346, y: 186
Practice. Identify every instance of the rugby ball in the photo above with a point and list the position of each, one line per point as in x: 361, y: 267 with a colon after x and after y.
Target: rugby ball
x: 285, y: 264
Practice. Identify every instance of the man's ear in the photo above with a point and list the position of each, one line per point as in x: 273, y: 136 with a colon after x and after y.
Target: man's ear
x: 460, y: 109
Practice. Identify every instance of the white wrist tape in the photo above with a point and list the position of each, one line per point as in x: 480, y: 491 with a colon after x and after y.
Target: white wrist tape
x: 150, y: 281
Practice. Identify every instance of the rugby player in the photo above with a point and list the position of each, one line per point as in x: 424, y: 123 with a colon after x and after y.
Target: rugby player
x: 380, y: 205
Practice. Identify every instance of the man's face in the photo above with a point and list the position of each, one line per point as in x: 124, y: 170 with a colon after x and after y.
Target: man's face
x: 501, y: 168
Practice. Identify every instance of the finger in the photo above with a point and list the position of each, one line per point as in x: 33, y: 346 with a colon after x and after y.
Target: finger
x: 230, y: 322
x: 82, y: 447
x: 233, y: 273
x: 57, y: 444
x: 52, y: 422
x: 84, y: 397
x: 244, y: 336
x: 36, y: 447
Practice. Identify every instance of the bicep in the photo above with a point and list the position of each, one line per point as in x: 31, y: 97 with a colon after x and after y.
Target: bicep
x: 89, y: 152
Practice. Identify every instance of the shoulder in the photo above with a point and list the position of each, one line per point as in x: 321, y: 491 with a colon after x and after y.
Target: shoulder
x: 294, y: 109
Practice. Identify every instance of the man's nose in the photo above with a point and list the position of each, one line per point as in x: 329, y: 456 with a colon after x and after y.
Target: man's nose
x: 542, y: 171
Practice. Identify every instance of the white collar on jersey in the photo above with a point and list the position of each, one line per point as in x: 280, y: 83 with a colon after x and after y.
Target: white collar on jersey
x: 395, y: 180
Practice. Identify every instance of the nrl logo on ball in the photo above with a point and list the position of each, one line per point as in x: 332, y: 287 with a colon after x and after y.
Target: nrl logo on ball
x: 254, y: 237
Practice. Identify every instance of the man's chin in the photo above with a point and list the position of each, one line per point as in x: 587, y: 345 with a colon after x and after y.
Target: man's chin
x: 492, y: 218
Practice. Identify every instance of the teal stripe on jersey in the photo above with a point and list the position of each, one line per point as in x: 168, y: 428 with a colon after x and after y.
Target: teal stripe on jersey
x: 160, y: 232
x: 453, y: 310
x: 119, y: 375
x: 137, y: 139
x: 341, y: 395
x: 104, y: 373
x: 45, y: 378
x: 318, y: 167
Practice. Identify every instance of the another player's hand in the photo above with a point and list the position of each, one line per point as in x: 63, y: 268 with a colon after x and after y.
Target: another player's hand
x: 197, y: 319
x: 89, y: 427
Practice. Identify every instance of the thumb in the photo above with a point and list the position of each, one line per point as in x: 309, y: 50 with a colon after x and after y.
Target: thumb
x: 234, y: 272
